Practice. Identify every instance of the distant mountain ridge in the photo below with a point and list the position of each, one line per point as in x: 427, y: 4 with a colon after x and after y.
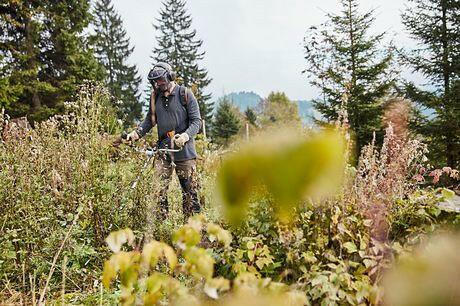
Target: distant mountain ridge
x: 307, y: 111
x: 245, y: 99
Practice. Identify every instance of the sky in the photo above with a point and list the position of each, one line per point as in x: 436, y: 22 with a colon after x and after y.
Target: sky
x: 253, y: 45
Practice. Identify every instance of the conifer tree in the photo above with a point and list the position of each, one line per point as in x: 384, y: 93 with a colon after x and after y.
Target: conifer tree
x: 21, y: 89
x: 44, y: 56
x: 347, y: 64
x: 69, y: 60
x: 112, y: 49
x: 435, y: 24
x: 178, y: 46
x: 226, y: 122
x: 250, y: 116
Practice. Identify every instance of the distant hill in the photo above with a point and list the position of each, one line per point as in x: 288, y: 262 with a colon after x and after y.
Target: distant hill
x: 244, y: 99
x: 307, y: 112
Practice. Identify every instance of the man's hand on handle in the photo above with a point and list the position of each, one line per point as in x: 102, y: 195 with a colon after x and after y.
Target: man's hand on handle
x: 181, y: 139
x: 124, y: 138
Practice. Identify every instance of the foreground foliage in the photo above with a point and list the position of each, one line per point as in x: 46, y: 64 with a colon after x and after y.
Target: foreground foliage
x: 64, y: 189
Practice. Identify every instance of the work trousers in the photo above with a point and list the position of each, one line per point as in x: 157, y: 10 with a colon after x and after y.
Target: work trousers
x: 186, y: 173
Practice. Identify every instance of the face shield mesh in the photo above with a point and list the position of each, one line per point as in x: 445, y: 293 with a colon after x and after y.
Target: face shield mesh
x: 157, y: 74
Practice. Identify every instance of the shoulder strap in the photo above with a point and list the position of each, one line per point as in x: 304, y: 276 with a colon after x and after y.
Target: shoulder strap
x: 153, y: 101
x: 183, y: 95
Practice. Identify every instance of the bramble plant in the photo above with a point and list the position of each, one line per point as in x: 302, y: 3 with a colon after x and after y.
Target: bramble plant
x: 151, y: 275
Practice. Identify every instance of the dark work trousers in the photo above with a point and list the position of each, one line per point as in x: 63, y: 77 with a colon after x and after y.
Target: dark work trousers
x: 186, y: 173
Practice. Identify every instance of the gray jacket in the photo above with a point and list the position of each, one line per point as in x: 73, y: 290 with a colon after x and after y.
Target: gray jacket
x: 172, y: 115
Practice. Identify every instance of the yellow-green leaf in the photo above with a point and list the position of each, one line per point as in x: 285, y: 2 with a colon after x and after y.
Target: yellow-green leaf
x: 215, y: 285
x: 151, y: 299
x: 116, y: 239
x: 155, y: 282
x: 290, y: 167
x: 170, y: 256
x: 151, y: 253
x: 199, y: 262
x: 251, y: 255
x: 216, y: 232
x: 350, y: 247
x: 447, y: 194
x: 109, y: 273
x: 186, y: 236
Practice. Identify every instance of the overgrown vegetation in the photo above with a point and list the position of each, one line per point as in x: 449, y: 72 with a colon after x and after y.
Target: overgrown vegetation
x: 63, y: 172
x: 64, y: 189
x: 340, y: 215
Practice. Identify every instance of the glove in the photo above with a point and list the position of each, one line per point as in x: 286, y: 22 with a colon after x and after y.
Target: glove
x: 133, y: 136
x: 181, y: 139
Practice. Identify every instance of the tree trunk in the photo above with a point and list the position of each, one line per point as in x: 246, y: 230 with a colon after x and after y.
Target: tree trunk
x: 32, y: 62
x: 36, y: 102
x: 446, y: 70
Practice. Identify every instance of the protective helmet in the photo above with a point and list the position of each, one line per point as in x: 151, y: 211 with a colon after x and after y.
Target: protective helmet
x: 161, y: 70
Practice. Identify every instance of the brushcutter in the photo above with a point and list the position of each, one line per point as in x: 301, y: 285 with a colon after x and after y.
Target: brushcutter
x: 161, y: 147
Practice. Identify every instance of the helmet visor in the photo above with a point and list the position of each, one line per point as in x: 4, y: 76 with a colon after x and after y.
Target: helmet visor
x: 156, y: 75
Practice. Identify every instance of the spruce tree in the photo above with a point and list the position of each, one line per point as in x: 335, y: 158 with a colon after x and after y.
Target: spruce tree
x: 68, y: 58
x: 178, y: 46
x: 43, y: 56
x: 226, y: 122
x: 21, y: 89
x: 347, y: 64
x: 250, y: 116
x: 435, y: 24
x: 112, y: 49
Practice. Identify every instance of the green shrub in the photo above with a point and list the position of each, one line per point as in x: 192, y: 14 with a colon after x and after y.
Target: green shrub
x: 64, y: 171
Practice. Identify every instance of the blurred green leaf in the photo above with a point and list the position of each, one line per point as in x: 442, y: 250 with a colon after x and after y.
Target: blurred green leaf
x: 152, y: 252
x: 109, y: 273
x: 199, y: 262
x: 214, y: 285
x: 289, y: 167
x: 429, y: 277
x: 186, y: 236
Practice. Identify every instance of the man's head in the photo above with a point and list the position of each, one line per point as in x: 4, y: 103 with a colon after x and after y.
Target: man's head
x: 161, y: 76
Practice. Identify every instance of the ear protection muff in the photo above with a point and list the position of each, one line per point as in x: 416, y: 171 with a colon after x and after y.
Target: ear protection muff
x: 170, y: 74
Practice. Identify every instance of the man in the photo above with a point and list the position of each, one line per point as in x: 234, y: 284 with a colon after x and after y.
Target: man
x: 175, y: 111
